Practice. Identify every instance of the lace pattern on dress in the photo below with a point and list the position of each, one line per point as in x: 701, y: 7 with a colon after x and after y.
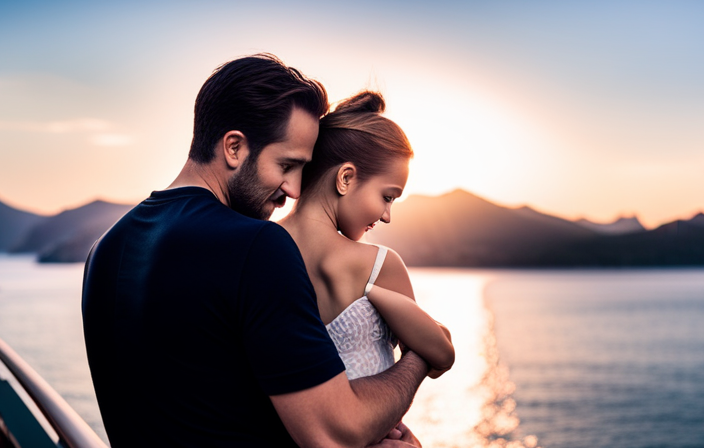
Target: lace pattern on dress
x: 362, y: 337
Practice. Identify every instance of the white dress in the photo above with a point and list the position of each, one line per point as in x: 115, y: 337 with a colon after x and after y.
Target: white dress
x: 362, y: 337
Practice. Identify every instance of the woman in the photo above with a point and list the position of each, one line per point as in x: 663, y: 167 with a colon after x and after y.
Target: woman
x: 359, y: 167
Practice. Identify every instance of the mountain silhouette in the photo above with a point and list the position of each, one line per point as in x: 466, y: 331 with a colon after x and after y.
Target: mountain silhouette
x: 14, y: 225
x: 697, y: 220
x: 678, y: 243
x: 457, y: 229
x: 621, y: 226
x: 461, y: 229
x: 68, y: 236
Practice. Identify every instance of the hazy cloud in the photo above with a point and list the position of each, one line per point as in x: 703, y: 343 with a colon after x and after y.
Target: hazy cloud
x: 97, y: 129
x: 58, y: 127
x: 111, y: 139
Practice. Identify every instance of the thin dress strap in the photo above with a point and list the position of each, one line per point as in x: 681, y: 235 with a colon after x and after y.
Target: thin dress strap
x: 380, y: 257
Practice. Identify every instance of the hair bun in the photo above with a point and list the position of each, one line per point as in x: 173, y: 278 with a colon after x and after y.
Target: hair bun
x: 366, y: 101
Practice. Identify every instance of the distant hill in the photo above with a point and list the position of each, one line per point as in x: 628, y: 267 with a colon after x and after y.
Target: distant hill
x: 698, y: 219
x: 461, y: 229
x: 679, y: 243
x: 14, y: 225
x: 68, y: 236
x: 454, y: 229
x: 621, y: 226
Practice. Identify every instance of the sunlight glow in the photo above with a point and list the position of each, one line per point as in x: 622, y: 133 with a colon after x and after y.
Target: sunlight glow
x: 472, y: 404
x: 463, y: 139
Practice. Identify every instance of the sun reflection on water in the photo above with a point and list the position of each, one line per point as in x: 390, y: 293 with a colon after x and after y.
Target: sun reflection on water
x: 472, y: 404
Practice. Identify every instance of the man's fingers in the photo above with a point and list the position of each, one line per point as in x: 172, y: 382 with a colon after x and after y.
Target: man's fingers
x: 407, y: 435
x: 394, y: 434
x: 388, y: 443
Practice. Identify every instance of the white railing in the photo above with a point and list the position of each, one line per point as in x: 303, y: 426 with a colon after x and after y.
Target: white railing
x: 72, y: 430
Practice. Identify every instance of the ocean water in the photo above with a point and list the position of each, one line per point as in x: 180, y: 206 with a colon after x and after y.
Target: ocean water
x: 544, y: 358
x: 40, y: 318
x: 604, y: 358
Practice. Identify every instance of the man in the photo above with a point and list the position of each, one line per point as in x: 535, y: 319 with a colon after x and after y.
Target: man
x: 200, y: 322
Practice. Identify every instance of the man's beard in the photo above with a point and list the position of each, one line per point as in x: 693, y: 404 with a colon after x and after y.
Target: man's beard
x: 247, y: 195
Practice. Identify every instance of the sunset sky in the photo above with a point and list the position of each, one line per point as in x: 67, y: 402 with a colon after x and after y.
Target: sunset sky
x: 580, y: 109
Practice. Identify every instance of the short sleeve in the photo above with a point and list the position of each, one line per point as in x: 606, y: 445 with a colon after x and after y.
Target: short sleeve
x: 287, y: 344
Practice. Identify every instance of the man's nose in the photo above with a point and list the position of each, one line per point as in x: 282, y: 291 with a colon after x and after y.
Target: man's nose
x: 292, y: 188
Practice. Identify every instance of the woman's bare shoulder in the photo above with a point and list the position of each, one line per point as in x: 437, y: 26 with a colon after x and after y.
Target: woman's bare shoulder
x: 351, y: 256
x: 345, y: 266
x: 394, y: 274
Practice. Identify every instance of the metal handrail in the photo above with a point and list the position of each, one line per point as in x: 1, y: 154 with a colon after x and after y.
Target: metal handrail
x: 73, y: 431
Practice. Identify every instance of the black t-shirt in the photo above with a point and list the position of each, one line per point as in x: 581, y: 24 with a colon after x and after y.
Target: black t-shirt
x: 193, y: 315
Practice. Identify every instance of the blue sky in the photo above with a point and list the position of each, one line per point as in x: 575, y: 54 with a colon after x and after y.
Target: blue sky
x: 591, y: 109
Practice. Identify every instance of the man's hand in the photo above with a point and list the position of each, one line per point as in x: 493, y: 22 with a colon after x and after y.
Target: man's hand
x: 400, y: 437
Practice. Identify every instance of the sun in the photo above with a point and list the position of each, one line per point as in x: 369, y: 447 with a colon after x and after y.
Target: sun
x: 462, y: 140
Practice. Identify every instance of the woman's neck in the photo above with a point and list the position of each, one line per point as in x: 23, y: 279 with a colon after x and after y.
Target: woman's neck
x: 315, y: 213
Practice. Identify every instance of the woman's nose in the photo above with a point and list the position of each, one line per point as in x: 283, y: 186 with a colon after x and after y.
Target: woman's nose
x: 386, y: 217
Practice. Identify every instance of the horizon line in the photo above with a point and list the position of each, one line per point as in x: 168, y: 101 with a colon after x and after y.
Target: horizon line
x: 26, y: 209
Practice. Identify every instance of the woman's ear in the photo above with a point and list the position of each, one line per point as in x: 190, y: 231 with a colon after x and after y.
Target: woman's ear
x: 345, y: 174
x: 235, y: 148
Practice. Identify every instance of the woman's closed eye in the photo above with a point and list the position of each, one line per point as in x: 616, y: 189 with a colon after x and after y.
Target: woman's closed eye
x: 389, y: 198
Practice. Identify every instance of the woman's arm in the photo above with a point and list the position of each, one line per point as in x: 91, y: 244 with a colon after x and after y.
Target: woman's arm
x: 415, y: 328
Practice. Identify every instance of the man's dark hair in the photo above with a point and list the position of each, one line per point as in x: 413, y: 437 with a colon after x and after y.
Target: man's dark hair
x: 254, y: 95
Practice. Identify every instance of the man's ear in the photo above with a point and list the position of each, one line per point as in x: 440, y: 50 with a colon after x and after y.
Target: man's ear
x: 235, y: 148
x: 345, y: 174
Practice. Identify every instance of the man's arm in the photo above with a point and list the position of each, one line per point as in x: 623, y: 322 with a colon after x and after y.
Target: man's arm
x: 343, y: 413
